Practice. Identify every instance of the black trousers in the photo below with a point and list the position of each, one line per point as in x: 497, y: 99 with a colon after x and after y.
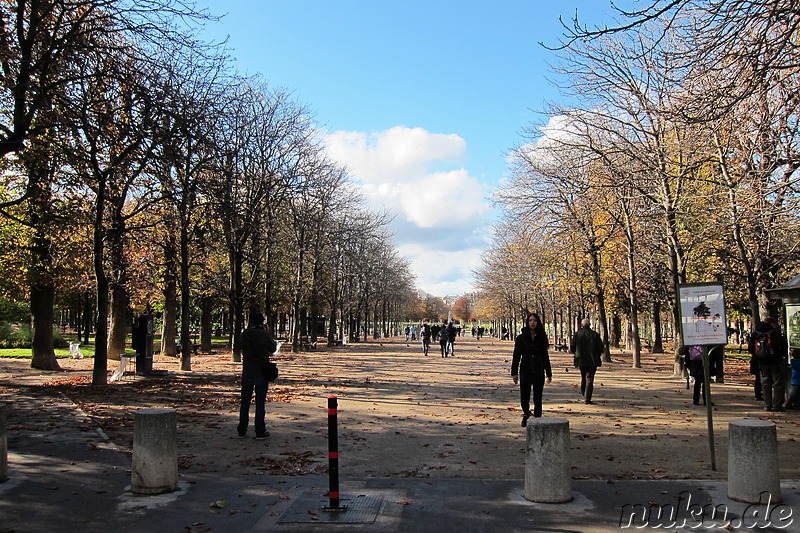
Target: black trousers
x: 528, y: 384
x: 587, y: 381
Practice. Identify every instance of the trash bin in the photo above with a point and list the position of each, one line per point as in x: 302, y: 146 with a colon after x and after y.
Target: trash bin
x: 142, y: 342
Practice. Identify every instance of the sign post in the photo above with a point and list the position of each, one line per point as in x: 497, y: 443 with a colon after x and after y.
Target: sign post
x: 702, y: 310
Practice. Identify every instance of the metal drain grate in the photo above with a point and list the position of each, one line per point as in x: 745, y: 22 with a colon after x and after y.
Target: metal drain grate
x: 311, y: 509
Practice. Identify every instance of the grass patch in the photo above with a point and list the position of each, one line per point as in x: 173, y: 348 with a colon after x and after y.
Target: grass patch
x: 61, y: 353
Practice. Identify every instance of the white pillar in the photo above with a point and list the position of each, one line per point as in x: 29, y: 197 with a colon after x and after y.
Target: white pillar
x: 753, y: 473
x: 547, y: 461
x: 155, y: 451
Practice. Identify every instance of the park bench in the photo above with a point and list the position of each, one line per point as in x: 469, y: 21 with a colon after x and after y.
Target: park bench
x: 307, y: 344
x: 194, y: 347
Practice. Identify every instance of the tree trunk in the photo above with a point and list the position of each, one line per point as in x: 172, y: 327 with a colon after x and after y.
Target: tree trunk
x: 42, y: 289
x: 206, y: 316
x: 237, y: 306
x: 169, y: 319
x: 658, y: 341
x: 676, y: 268
x: 87, y: 317
x: 120, y: 300
x: 636, y: 341
x: 616, y: 331
x: 42, y: 301
x: 186, y: 339
x: 100, y: 367
x: 118, y: 333
x: 186, y: 301
x: 600, y: 300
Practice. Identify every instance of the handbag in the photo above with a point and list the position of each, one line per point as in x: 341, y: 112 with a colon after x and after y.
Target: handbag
x: 270, y: 371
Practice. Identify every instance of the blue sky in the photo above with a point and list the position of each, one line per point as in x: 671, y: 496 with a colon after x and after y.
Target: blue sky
x: 421, y: 100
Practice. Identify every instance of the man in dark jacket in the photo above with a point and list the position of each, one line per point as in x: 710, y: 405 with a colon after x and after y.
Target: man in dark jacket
x: 443, y: 338
x: 257, y: 345
x: 451, y: 339
x: 772, y: 365
x: 587, y: 347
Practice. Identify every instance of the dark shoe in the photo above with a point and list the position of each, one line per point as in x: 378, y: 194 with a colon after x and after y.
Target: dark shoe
x: 779, y: 409
x: 589, y: 402
x: 524, y: 421
x: 696, y: 403
x: 262, y: 437
x: 759, y: 398
x: 770, y: 409
x: 241, y: 436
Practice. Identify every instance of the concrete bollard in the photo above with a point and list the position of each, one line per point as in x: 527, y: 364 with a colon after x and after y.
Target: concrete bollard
x: 547, y: 461
x: 753, y: 461
x: 3, y: 443
x: 155, y: 451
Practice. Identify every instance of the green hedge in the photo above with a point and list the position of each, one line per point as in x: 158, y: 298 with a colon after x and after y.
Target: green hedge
x: 20, y: 337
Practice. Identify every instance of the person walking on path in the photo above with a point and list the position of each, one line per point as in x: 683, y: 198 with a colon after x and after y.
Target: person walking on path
x: 529, y: 366
x: 451, y: 339
x: 443, y: 336
x: 694, y: 365
x: 755, y: 370
x: 426, y: 338
x: 257, y: 345
x: 588, y: 349
x: 769, y: 347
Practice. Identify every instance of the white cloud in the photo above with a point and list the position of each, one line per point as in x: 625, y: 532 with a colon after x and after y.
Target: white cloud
x: 397, y: 155
x: 446, y: 199
x: 441, y: 212
x: 393, y: 168
x: 443, y: 272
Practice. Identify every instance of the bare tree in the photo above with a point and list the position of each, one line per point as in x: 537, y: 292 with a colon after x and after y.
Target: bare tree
x: 110, y: 151
x: 191, y: 96
x: 266, y: 140
x: 555, y: 187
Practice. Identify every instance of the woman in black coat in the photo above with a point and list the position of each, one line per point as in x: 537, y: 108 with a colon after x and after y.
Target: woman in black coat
x: 529, y: 366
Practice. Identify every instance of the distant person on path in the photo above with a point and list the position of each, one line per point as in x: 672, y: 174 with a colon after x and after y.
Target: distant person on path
x: 694, y: 365
x: 716, y: 363
x: 529, y: 366
x: 768, y: 346
x: 452, y: 331
x: 443, y: 336
x: 588, y: 347
x: 755, y: 370
x: 257, y: 345
x: 794, y: 388
x: 426, y: 338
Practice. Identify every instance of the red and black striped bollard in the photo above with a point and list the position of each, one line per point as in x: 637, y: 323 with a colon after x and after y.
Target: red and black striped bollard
x: 333, y: 453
